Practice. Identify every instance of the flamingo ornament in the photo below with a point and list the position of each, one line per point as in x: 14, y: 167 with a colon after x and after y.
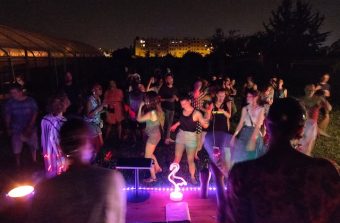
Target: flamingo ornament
x: 176, y: 195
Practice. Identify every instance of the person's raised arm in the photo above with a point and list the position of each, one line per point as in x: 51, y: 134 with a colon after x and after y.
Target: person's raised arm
x: 145, y: 117
x: 204, y: 121
x: 151, y: 81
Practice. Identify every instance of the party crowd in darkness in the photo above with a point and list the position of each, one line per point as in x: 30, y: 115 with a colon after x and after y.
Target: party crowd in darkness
x: 202, y: 118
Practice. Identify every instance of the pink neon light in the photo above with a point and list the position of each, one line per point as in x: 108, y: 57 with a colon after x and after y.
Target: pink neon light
x: 169, y: 188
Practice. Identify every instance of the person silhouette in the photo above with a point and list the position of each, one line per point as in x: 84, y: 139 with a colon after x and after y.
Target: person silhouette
x: 83, y: 193
x: 284, y: 185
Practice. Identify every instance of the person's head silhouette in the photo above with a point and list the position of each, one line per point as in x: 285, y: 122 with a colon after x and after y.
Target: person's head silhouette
x: 285, y: 120
x: 75, y: 142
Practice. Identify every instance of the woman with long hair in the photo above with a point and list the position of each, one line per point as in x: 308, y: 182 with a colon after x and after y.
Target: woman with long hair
x: 151, y: 113
x: 50, y: 141
x: 250, y: 141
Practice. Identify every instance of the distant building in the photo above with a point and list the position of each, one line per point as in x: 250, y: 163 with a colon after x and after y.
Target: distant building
x: 150, y: 47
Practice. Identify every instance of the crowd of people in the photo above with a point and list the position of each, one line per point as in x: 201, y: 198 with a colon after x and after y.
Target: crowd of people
x: 136, y: 111
x: 204, y: 121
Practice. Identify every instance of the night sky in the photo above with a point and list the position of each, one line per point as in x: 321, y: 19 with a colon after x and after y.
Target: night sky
x: 115, y: 23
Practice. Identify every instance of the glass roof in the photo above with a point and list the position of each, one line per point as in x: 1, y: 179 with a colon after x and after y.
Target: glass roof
x: 14, y: 41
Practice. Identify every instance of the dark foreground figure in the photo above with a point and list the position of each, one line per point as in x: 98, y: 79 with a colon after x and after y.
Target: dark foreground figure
x: 284, y: 185
x: 83, y: 193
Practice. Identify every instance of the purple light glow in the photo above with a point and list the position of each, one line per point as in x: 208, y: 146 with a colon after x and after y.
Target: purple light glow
x: 168, y: 188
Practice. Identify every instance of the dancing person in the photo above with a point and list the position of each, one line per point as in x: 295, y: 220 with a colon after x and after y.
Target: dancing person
x: 232, y: 96
x: 135, y: 98
x: 324, y: 85
x: 154, y: 119
x: 94, y: 107
x: 216, y: 143
x: 133, y: 79
x: 198, y: 97
x: 325, y: 91
x: 284, y: 185
x: 20, y: 79
x: 114, y: 97
x: 313, y: 104
x: 267, y: 97
x: 324, y: 118
x: 50, y: 141
x: 250, y: 142
x: 229, y: 87
x: 273, y: 82
x: 74, y: 94
x: 168, y: 94
x: 249, y: 85
x: 186, y: 138
x: 154, y: 84
x: 281, y: 91
x: 21, y: 112
x: 83, y: 193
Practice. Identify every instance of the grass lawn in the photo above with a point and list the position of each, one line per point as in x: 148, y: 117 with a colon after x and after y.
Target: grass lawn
x: 330, y: 147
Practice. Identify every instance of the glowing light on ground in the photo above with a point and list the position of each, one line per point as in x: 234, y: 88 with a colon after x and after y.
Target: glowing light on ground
x: 176, y: 195
x: 21, y: 191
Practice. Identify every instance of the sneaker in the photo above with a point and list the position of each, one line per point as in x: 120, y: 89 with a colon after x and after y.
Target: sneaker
x: 150, y: 180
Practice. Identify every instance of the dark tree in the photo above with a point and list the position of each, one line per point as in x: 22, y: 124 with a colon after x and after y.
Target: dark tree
x: 218, y: 42
x: 294, y: 30
x: 235, y: 44
x: 122, y: 54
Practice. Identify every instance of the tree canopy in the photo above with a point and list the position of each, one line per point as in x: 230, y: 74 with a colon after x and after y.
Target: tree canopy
x: 293, y: 30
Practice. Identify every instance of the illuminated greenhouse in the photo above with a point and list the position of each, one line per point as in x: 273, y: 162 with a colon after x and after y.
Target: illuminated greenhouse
x: 21, y: 51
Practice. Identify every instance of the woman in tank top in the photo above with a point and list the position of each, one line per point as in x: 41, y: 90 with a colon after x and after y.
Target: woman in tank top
x: 216, y: 144
x: 250, y: 141
x: 186, y: 138
x: 154, y: 118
